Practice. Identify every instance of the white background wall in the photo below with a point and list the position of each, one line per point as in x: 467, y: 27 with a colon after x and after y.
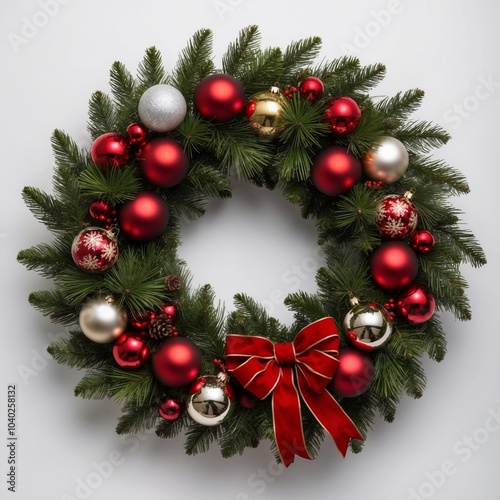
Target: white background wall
x: 447, y: 48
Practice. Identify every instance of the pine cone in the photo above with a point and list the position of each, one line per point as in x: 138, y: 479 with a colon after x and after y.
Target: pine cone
x: 172, y: 283
x: 160, y: 327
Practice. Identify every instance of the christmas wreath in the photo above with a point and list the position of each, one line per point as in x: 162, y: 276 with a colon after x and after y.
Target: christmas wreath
x: 164, y: 144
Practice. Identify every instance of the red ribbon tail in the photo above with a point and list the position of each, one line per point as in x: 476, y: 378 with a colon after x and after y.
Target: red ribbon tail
x: 287, y: 419
x: 331, y: 416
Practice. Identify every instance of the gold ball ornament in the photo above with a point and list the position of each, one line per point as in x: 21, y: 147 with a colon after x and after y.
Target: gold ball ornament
x: 101, y: 320
x: 264, y: 112
x: 211, y: 400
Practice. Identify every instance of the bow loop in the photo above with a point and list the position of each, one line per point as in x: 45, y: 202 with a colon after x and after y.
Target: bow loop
x: 291, y: 372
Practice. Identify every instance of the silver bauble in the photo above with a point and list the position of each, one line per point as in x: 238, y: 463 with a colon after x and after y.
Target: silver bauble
x: 210, y: 401
x: 101, y: 320
x: 162, y: 108
x: 367, y: 325
x: 387, y: 161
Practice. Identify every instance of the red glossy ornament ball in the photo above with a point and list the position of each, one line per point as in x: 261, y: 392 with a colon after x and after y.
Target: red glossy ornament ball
x: 144, y: 217
x: 394, y: 265
x: 163, y: 162
x: 343, y: 115
x: 101, y: 211
x: 335, y: 171
x: 130, y: 351
x: 354, y: 374
x: 140, y: 321
x: 137, y: 133
x: 110, y: 150
x: 415, y: 304
x: 396, y: 217
x: 422, y: 241
x: 219, y: 98
x: 311, y: 88
x: 170, y: 409
x: 177, y: 362
x: 94, y: 249
x: 170, y: 309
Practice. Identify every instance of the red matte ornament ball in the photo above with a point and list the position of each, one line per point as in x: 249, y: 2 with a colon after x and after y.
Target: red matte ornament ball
x: 335, y: 171
x: 130, y: 351
x: 393, y: 265
x: 144, y: 217
x: 163, y: 162
x: 354, y: 374
x: 177, y: 362
x: 415, y: 304
x: 110, y: 150
x: 170, y: 408
x: 219, y: 98
x: 137, y: 133
x: 311, y: 88
x: 343, y: 115
x: 94, y: 249
x: 422, y: 241
x: 396, y: 217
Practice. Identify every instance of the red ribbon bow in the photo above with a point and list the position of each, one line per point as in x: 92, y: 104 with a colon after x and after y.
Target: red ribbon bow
x: 263, y: 367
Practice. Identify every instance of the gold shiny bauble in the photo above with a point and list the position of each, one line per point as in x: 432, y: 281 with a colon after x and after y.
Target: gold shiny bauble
x: 264, y: 112
x: 210, y: 400
x: 101, y: 320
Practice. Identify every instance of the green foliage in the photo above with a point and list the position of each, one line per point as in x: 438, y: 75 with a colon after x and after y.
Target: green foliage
x: 346, y: 231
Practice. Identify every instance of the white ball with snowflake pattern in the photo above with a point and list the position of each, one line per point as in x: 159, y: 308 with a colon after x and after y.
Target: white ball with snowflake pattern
x: 94, y: 249
x: 396, y: 216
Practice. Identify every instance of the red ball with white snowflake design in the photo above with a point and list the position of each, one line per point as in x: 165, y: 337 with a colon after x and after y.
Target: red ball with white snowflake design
x: 94, y: 249
x: 396, y: 216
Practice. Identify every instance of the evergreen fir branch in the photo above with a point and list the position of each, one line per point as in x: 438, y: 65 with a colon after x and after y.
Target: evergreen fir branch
x: 236, y: 149
x: 67, y: 152
x: 150, y: 71
x: 361, y: 81
x: 199, y: 438
x: 427, y: 170
x: 306, y: 307
x: 185, y: 203
x: 53, y: 304
x: 102, y: 115
x: 333, y: 72
x: 115, y: 185
x: 435, y: 339
x: 299, y: 54
x: 76, y: 285
x: 133, y: 387
x: 45, y: 207
x: 48, y: 259
x: 195, y: 134
x: 402, y: 105
x: 263, y: 71
x: 241, y: 51
x: 420, y: 136
x: 239, y: 432
x: 94, y: 385
x: 295, y: 165
x: 415, y: 381
x: 387, y: 407
x: 168, y: 429
x: 123, y: 86
x: 390, y: 374
x: 304, y: 126
x: 80, y: 352
x: 204, y: 322
x: 407, y: 343
x: 194, y: 63
x: 209, y: 181
x: 464, y: 242
x: 137, y: 418
x: 137, y: 288
x: 371, y: 127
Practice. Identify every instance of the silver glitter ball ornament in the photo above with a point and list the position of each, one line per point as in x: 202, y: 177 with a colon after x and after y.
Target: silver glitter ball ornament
x: 367, y: 325
x: 210, y: 400
x: 101, y: 320
x: 162, y: 108
x: 387, y: 161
